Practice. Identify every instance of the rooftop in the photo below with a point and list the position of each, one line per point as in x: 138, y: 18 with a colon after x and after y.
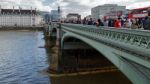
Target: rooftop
x: 18, y: 11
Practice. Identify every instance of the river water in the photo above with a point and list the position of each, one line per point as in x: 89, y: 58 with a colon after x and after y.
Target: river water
x: 22, y: 61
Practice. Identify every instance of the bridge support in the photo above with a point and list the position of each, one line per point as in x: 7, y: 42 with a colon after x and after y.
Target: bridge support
x: 55, y: 46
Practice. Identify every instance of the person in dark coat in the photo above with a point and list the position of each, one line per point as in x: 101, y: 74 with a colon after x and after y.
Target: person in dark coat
x: 84, y: 21
x: 147, y: 22
x: 90, y: 22
x: 99, y: 23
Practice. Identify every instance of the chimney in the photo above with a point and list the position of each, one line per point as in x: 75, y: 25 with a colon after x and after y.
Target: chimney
x: 13, y: 8
x: 35, y: 9
x: 31, y: 9
x: 20, y: 9
x: 0, y: 9
x: 58, y: 9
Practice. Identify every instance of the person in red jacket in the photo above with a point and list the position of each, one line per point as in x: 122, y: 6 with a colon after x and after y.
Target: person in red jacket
x: 117, y: 23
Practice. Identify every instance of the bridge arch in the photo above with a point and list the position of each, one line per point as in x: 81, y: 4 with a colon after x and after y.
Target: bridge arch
x: 84, y: 46
x: 108, y: 55
x: 53, y: 32
x: 121, y: 63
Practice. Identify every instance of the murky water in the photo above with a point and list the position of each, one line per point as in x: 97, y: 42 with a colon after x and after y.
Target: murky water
x: 99, y: 78
x: 21, y: 59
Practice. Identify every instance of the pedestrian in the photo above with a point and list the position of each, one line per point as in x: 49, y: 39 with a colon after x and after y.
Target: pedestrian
x: 117, y: 23
x: 90, y: 22
x: 122, y: 22
x: 105, y: 22
x: 147, y: 22
x: 99, y: 23
x: 128, y: 23
x: 84, y: 21
x: 135, y: 24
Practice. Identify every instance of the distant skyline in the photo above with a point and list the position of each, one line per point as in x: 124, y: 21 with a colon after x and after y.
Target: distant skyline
x: 82, y: 7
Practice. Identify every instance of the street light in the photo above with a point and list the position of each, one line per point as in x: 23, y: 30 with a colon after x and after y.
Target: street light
x: 58, y: 42
x: 58, y: 4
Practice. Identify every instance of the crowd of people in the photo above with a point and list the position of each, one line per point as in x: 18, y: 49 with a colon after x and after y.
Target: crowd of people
x: 136, y: 23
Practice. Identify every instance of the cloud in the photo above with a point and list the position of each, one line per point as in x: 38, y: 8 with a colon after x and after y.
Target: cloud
x: 82, y: 7
x: 139, y: 4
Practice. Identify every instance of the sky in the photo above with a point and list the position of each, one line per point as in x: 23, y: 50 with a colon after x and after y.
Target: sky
x: 82, y: 7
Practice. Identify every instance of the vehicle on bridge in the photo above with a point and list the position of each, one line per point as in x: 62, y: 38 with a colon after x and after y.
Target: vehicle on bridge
x: 138, y: 13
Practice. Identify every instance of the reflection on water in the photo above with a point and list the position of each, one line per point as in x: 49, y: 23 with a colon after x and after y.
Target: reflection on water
x: 21, y: 59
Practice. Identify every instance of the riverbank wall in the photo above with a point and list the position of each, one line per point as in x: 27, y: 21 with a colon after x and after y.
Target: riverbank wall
x: 21, y: 28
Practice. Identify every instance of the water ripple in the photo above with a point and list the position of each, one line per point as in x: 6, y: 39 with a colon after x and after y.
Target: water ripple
x: 21, y: 59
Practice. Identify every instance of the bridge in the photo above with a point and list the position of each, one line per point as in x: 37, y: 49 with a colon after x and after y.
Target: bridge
x: 126, y: 49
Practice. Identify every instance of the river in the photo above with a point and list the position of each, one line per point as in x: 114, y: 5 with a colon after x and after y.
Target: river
x: 23, y: 60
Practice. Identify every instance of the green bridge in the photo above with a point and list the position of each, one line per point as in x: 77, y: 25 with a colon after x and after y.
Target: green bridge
x: 126, y: 49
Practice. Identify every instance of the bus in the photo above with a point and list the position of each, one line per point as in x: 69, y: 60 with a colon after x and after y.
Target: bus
x: 138, y: 13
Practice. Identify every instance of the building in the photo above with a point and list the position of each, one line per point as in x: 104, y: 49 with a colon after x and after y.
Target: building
x: 100, y: 11
x: 88, y: 17
x: 73, y: 16
x: 19, y: 17
x: 55, y: 16
x: 46, y: 16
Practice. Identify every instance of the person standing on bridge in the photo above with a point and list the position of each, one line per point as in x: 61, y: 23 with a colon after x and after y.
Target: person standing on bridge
x: 147, y: 22
x: 118, y: 23
x: 127, y: 23
x: 99, y: 23
x: 90, y: 22
x: 84, y: 21
x: 135, y: 24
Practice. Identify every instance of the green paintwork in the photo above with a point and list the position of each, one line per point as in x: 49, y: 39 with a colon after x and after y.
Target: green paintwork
x: 128, y: 49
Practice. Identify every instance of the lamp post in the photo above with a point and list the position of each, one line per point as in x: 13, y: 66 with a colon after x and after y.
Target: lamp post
x: 58, y: 9
x: 58, y: 42
x: 58, y: 29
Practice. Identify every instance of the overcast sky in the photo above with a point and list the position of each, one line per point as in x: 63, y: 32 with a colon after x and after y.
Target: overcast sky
x: 74, y: 6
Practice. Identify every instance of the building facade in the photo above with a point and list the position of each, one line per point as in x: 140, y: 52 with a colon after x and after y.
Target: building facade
x: 19, y: 17
x: 55, y: 16
x: 73, y: 16
x: 88, y: 17
x: 46, y: 16
x: 100, y: 11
